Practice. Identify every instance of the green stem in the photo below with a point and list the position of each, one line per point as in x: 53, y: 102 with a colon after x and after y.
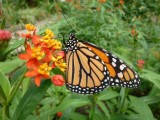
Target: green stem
x: 123, y: 98
x: 15, y: 89
x: 93, y: 106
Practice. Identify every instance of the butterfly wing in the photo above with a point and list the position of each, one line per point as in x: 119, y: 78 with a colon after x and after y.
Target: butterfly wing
x: 86, y: 73
x: 120, y: 74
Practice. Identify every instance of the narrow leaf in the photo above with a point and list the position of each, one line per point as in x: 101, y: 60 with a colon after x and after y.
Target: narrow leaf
x: 141, y: 108
x: 4, y: 83
x: 30, y: 99
x: 150, y: 99
x: 103, y: 108
x: 9, y: 66
x: 152, y: 77
x: 12, y: 47
x: 107, y: 94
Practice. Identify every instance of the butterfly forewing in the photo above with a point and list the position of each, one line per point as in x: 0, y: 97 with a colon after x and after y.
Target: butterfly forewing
x: 120, y: 74
x: 86, y: 72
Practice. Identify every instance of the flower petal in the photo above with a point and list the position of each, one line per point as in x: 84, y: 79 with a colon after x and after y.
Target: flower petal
x: 32, y: 63
x: 37, y: 80
x: 61, y: 53
x: 31, y: 73
x: 28, y: 49
x: 46, y: 76
x: 24, y: 56
x: 35, y: 39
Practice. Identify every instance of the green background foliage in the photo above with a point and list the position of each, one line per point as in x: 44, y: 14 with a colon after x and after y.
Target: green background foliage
x: 108, y: 25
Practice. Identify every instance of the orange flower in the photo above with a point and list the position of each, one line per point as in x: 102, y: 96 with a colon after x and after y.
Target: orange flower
x: 42, y: 55
x: 59, y: 114
x: 36, y: 40
x: 102, y: 1
x: 58, y: 80
x: 134, y: 32
x: 57, y: 59
x: 140, y: 64
x: 68, y: 0
x: 39, y: 72
x: 32, y: 56
x: 98, y: 9
x: 121, y: 2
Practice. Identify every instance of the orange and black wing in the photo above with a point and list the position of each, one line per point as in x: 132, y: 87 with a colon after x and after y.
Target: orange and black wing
x: 120, y: 74
x: 86, y: 73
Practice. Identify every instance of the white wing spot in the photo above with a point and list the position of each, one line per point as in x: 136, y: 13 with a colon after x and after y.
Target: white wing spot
x: 114, y: 59
x: 112, y: 83
x: 105, y: 80
x: 117, y: 80
x: 114, y: 64
x: 122, y: 67
x: 120, y: 75
x: 107, y: 54
x: 120, y: 60
x: 97, y: 57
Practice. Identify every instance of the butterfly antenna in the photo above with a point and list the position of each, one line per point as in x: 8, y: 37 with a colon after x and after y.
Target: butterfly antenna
x: 66, y: 19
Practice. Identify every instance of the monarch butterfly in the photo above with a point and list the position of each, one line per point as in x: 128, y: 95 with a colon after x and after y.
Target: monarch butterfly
x: 90, y: 69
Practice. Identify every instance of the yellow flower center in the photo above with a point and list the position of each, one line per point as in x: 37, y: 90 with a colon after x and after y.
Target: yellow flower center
x: 59, y: 62
x: 49, y: 33
x: 37, y: 53
x: 58, y: 45
x: 52, y: 43
x: 30, y: 27
x: 44, y: 69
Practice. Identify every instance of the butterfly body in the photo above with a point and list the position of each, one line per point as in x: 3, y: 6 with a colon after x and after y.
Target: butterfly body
x: 90, y: 69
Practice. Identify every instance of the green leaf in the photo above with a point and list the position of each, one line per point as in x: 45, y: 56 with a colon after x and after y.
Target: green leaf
x: 68, y: 102
x: 12, y: 47
x: 141, y: 108
x: 125, y: 117
x: 107, y: 94
x: 103, y: 108
x: 17, y: 73
x: 3, y: 23
x: 30, y: 99
x: 4, y: 83
x: 9, y: 66
x: 150, y: 99
x: 77, y: 116
x: 3, y: 97
x: 151, y: 76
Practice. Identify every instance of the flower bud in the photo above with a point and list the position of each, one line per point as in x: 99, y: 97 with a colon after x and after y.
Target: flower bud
x: 58, y: 80
x: 5, y: 35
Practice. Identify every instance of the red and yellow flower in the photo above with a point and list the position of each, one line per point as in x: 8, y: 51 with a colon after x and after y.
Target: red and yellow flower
x: 42, y: 54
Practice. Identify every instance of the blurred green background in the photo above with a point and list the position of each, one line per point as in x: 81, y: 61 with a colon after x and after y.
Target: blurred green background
x: 128, y: 28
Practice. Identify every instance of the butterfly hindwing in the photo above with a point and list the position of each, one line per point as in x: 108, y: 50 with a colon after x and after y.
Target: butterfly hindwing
x: 120, y: 74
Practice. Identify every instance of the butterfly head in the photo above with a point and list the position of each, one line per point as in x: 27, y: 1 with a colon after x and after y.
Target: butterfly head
x: 71, y: 44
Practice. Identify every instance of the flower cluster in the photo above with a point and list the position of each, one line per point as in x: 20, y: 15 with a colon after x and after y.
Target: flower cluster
x: 134, y: 32
x: 140, y: 64
x: 102, y: 1
x: 43, y: 53
x: 5, y: 35
x: 121, y: 2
